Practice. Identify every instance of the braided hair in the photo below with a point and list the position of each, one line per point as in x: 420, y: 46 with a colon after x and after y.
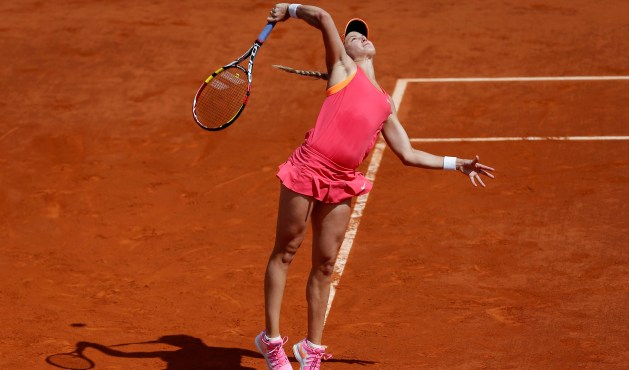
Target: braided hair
x: 314, y: 74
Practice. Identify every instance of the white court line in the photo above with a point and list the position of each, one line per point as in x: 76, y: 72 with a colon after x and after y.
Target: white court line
x: 376, y: 157
x: 400, y: 86
x: 519, y: 79
x: 517, y: 138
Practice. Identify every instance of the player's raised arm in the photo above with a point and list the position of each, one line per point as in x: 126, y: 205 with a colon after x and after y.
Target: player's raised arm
x: 338, y: 63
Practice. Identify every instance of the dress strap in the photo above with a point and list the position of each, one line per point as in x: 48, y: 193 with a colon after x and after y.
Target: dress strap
x: 339, y: 86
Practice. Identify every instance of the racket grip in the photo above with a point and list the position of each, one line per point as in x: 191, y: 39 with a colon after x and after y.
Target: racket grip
x: 265, y: 32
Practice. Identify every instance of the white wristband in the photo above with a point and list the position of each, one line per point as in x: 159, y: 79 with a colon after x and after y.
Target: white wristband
x: 449, y: 163
x: 292, y: 10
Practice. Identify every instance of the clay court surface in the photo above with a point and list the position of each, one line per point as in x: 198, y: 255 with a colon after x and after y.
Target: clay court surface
x: 123, y: 222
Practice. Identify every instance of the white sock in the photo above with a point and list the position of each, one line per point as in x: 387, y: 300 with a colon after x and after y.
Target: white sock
x: 315, y: 346
x: 266, y: 337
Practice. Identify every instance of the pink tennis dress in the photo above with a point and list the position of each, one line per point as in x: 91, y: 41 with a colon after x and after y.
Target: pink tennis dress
x: 324, y: 166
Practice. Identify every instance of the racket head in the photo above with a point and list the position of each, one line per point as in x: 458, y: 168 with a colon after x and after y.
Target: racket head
x: 221, y: 98
x: 72, y: 360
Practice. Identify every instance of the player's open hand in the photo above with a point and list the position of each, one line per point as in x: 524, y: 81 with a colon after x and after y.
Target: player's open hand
x: 473, y: 170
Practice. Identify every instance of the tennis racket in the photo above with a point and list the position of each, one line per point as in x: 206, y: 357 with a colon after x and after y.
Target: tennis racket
x: 223, y: 96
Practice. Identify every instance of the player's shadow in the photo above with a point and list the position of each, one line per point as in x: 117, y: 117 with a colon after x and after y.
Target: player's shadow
x: 190, y: 354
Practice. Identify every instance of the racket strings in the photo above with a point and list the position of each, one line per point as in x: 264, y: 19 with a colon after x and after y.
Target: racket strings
x: 223, y: 97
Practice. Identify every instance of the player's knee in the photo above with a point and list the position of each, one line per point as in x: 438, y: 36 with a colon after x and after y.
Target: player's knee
x: 287, y: 256
x: 325, y: 267
x: 287, y: 247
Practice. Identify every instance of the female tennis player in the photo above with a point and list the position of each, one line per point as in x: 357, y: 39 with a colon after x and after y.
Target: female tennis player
x: 319, y: 179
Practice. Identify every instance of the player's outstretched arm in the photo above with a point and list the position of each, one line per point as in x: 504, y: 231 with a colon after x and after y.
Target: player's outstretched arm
x: 397, y: 139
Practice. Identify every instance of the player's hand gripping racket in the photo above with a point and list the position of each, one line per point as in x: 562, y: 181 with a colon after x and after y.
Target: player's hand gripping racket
x: 223, y: 96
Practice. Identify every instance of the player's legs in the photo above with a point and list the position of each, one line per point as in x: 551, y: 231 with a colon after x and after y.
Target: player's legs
x: 292, y: 221
x: 329, y: 222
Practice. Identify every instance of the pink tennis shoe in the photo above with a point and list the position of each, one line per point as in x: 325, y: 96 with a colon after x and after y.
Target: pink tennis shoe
x: 273, y: 352
x: 309, y: 358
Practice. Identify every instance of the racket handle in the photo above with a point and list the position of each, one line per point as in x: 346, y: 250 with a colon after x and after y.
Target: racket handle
x: 265, y: 32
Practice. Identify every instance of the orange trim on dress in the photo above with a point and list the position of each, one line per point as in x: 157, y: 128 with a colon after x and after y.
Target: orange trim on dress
x: 339, y: 86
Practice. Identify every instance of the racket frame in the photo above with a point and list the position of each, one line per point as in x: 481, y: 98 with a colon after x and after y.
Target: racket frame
x: 251, y: 54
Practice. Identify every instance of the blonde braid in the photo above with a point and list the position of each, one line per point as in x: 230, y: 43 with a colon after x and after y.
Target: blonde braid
x: 314, y: 74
